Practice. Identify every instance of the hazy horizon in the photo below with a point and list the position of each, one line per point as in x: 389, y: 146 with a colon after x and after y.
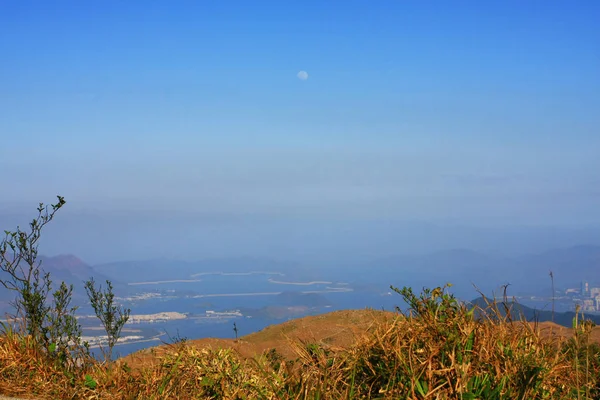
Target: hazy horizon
x: 99, y: 239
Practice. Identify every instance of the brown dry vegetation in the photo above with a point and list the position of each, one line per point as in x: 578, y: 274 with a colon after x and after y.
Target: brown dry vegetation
x: 335, y: 330
x: 440, y: 351
x: 561, y: 333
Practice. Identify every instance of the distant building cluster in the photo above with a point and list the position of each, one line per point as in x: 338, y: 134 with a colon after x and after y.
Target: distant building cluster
x: 221, y: 314
x: 138, y: 297
x: 152, y: 318
x: 587, y: 297
x: 95, y: 341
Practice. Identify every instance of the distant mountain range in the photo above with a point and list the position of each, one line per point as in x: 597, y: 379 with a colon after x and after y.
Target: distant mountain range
x: 463, y: 268
x: 68, y: 269
x: 517, y: 311
x: 569, y: 265
x: 165, y: 269
x: 72, y: 270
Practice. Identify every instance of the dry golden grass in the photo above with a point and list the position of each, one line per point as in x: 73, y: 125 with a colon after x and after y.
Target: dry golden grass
x: 25, y: 371
x: 443, y: 352
x: 337, y: 329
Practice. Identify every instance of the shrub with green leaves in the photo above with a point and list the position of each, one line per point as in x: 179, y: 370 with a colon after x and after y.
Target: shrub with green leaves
x: 112, y: 316
x: 50, y: 321
x: 46, y: 315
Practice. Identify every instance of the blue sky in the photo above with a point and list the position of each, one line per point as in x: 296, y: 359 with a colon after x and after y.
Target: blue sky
x: 474, y: 112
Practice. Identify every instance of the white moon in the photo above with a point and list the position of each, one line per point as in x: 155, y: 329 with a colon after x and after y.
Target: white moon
x: 302, y: 75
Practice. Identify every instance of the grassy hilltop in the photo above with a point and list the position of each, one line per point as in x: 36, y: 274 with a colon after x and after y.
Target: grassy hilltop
x: 439, y: 350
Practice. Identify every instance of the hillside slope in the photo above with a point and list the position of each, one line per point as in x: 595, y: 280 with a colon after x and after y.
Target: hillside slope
x: 334, y: 330
x: 337, y: 329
